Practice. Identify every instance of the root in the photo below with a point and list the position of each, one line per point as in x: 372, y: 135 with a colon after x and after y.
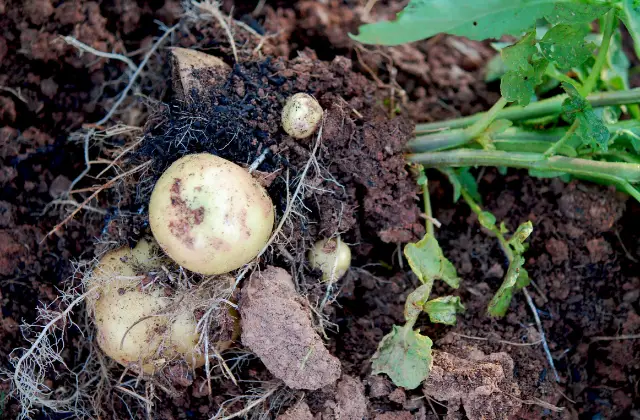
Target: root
x: 213, y: 8
x: 31, y: 368
x: 257, y: 399
x: 542, y: 335
x: 86, y: 48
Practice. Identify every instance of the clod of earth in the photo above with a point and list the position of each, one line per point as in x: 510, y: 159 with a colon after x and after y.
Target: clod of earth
x: 299, y: 411
x: 194, y: 72
x: 277, y: 327
x: 301, y: 115
x: 482, y: 384
x: 210, y: 215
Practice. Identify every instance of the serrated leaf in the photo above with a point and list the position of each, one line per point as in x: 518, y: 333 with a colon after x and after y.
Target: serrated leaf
x: 443, y: 310
x: 519, y: 85
x: 477, y: 20
x: 630, y: 15
x: 591, y: 130
x: 519, y: 55
x: 500, y: 302
x: 576, y: 13
x: 428, y: 262
x: 405, y: 356
x: 565, y: 46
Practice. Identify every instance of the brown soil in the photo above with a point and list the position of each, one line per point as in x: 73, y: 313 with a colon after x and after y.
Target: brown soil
x: 584, y: 250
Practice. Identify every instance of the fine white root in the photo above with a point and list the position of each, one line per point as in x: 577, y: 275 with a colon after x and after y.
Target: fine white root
x: 533, y: 308
x: 31, y: 365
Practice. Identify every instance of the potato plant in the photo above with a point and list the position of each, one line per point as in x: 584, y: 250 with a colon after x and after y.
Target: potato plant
x: 591, y: 131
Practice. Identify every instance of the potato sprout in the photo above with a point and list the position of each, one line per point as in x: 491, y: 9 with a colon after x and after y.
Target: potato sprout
x: 210, y: 215
x: 332, y: 257
x: 301, y: 115
x: 137, y: 325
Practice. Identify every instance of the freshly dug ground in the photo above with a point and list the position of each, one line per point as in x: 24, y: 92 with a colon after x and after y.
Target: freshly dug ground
x: 584, y: 249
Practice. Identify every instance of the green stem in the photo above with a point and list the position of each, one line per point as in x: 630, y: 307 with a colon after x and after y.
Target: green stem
x: 427, y: 205
x: 456, y: 138
x: 496, y: 231
x: 569, y: 134
x: 601, y: 58
x: 616, y: 173
x: 487, y: 118
x: 536, y: 109
x: 554, y: 73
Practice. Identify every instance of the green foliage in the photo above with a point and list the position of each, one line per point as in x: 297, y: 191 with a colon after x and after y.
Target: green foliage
x: 525, y: 70
x: 517, y: 277
x: 576, y: 12
x: 405, y: 356
x: 500, y: 302
x: 429, y: 263
x: 443, y: 310
x: 565, y: 46
x: 591, y: 130
x: 630, y: 15
x: 474, y: 19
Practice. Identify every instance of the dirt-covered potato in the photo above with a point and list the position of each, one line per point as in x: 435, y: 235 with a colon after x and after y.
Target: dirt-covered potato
x: 210, y: 215
x: 301, y: 115
x: 332, y: 257
x: 137, y: 325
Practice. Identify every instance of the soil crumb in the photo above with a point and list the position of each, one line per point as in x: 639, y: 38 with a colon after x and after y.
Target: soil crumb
x: 299, y: 411
x: 277, y: 327
x: 482, y: 384
x: 345, y: 400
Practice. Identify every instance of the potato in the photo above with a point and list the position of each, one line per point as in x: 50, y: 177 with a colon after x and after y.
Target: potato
x: 332, y: 257
x: 301, y: 115
x: 133, y: 325
x: 210, y: 215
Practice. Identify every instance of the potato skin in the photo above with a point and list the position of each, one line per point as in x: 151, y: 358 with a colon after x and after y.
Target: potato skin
x: 210, y: 215
x: 301, y: 115
x: 122, y: 309
x: 331, y: 256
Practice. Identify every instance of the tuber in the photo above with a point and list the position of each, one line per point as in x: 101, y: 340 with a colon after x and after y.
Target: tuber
x: 210, y: 215
x: 301, y: 115
x: 331, y: 256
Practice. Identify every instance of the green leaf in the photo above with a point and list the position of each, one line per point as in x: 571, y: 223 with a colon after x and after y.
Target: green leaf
x: 565, y: 46
x: 443, y: 310
x: 474, y: 19
x: 415, y: 302
x: 519, y: 85
x: 576, y: 13
x: 523, y: 279
x: 616, y: 72
x: 487, y: 220
x: 429, y: 263
x: 500, y: 302
x: 630, y: 15
x: 468, y: 182
x: 591, y: 130
x: 518, y: 56
x: 455, y: 182
x: 521, y: 234
x: 405, y: 356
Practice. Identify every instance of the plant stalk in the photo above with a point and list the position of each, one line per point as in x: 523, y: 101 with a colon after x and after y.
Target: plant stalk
x: 601, y: 58
x: 557, y: 145
x: 538, y: 109
x: 623, y: 175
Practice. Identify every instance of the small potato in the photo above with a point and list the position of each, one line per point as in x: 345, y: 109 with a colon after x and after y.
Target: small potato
x: 210, y: 215
x: 132, y: 324
x: 332, y: 257
x: 301, y: 115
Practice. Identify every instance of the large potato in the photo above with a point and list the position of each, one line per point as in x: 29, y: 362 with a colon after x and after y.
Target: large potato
x: 210, y: 215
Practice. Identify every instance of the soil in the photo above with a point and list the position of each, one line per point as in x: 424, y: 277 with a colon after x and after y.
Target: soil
x: 583, y: 254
